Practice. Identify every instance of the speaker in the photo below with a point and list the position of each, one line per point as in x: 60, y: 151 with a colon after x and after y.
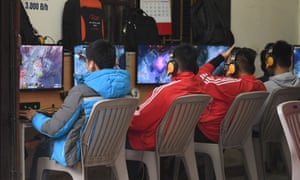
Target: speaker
x: 269, y: 59
x: 232, y: 67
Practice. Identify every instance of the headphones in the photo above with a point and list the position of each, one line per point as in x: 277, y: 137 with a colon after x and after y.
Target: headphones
x: 172, y: 66
x: 232, y: 68
x: 269, y: 59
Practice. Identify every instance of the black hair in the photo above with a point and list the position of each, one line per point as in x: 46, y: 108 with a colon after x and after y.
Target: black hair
x: 245, y: 59
x: 102, y: 53
x: 186, y: 57
x: 282, y: 53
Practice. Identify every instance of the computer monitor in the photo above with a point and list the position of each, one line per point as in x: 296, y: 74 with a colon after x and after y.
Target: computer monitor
x: 79, y: 55
x: 41, y: 67
x: 207, y: 52
x: 296, y: 60
x: 151, y: 64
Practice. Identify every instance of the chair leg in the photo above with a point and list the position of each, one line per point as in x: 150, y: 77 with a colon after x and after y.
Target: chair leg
x: 286, y: 154
x: 213, y: 150
x: 176, y: 168
x: 258, y: 157
x: 152, y: 164
x: 250, y: 159
x: 189, y: 160
x: 120, y: 168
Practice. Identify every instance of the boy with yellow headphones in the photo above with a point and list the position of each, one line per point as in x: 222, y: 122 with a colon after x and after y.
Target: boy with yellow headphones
x: 239, y: 78
x: 278, y: 63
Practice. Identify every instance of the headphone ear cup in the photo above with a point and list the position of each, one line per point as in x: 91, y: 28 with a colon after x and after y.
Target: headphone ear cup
x: 269, y: 62
x: 231, y: 69
x: 172, y: 68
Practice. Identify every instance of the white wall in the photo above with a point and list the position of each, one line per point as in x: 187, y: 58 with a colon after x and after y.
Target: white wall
x: 47, y: 21
x: 257, y: 22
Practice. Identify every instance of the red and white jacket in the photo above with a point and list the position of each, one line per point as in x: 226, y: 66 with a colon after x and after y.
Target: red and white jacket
x: 142, y: 130
x: 223, y: 89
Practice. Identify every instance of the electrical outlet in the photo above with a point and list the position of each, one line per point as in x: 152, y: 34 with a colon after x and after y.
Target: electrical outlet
x: 29, y: 105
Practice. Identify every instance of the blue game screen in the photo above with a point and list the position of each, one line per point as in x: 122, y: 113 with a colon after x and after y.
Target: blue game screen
x: 41, y: 67
x: 297, y: 60
x: 152, y: 62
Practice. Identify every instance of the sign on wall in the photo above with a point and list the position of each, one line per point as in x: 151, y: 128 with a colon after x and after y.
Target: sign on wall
x: 46, y: 17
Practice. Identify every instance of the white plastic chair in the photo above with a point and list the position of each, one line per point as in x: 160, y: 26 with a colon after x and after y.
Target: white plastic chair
x: 235, y: 132
x: 270, y: 129
x: 289, y: 115
x: 175, y: 136
x: 102, y: 142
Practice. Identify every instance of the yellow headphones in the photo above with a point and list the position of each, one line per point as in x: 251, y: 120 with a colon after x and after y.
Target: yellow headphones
x: 232, y: 66
x: 270, y: 62
x: 172, y: 66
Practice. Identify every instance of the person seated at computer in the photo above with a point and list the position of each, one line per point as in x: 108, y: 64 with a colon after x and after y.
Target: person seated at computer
x: 101, y: 80
x: 183, y: 68
x: 266, y: 75
x: 239, y: 78
x: 278, y: 63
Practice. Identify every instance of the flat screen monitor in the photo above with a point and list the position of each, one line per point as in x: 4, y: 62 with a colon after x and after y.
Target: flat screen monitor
x: 207, y: 52
x: 41, y: 67
x: 296, y: 62
x: 151, y: 64
x: 79, y: 55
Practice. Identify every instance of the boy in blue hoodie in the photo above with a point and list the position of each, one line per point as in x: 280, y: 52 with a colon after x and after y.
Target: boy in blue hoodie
x: 62, y: 130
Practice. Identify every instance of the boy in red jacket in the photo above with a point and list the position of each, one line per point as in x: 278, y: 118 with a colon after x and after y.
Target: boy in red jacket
x: 239, y: 78
x: 184, y: 67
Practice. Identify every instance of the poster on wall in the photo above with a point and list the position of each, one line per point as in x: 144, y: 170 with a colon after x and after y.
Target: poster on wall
x: 46, y: 18
x: 160, y: 10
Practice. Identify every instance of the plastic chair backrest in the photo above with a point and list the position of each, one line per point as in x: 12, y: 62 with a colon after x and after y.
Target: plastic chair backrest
x: 240, y: 118
x: 270, y: 126
x: 289, y: 116
x: 178, y: 125
x: 105, y: 132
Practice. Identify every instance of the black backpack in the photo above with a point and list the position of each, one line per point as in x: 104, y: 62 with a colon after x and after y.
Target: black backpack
x: 208, y: 25
x: 139, y: 28
x: 83, y: 22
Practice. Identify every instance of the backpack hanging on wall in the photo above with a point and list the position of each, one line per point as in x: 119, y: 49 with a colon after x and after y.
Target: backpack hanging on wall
x: 208, y: 25
x: 139, y: 28
x: 83, y: 22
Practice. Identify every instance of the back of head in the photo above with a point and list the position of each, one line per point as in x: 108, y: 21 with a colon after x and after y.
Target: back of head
x: 282, y: 53
x: 186, y: 57
x: 245, y: 58
x: 102, y: 53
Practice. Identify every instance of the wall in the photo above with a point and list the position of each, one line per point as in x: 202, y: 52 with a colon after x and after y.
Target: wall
x: 257, y: 22
x: 46, y: 17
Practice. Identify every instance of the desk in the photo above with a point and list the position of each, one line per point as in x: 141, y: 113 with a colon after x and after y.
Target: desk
x: 24, y: 124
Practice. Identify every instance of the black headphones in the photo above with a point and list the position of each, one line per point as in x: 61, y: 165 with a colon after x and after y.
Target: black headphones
x: 172, y: 66
x: 232, y: 67
x: 269, y: 59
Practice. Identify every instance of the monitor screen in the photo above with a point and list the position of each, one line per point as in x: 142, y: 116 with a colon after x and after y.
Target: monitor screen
x: 207, y: 53
x: 296, y: 57
x: 151, y: 64
x: 79, y: 56
x: 41, y: 67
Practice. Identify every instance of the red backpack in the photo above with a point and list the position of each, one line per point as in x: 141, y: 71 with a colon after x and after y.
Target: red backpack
x: 83, y: 22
